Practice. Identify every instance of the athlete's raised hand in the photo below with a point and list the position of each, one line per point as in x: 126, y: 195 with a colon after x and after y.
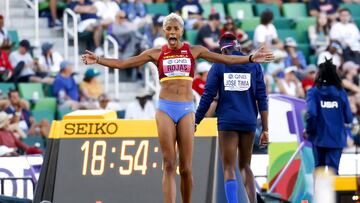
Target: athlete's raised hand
x: 261, y: 55
x: 89, y: 58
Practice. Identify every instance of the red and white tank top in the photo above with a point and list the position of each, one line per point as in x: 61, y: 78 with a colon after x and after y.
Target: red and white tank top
x: 176, y: 64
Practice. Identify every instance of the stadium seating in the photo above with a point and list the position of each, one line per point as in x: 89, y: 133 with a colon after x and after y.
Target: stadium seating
x: 249, y: 24
x: 353, y: 7
x: 44, y: 5
x: 39, y: 115
x: 283, y: 23
x: 14, y: 37
x: 357, y: 22
x: 284, y: 33
x: 219, y: 8
x: 312, y: 59
x: 46, y: 104
x: 27, y: 90
x: 5, y: 87
x: 251, y: 34
x: 158, y: 8
x: 294, y: 10
x: 302, y: 25
x: 259, y: 8
x: 35, y: 140
x: 191, y: 36
x: 239, y: 11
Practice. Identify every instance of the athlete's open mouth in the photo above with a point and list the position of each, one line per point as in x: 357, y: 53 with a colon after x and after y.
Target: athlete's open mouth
x: 172, y: 40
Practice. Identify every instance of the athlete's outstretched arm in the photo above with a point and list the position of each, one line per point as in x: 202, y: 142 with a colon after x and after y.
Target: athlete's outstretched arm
x: 259, y: 56
x: 146, y: 56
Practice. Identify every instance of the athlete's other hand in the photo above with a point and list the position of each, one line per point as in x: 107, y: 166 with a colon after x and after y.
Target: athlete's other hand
x: 262, y: 55
x: 89, y: 58
x: 264, y: 139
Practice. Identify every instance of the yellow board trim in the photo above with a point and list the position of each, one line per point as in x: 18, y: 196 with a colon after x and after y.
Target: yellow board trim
x: 95, y: 128
x: 91, y: 114
x: 176, y: 78
x: 341, y: 183
x: 54, y: 130
x: 345, y: 183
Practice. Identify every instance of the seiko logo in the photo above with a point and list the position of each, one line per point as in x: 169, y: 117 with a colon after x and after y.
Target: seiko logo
x: 90, y: 128
x: 329, y: 104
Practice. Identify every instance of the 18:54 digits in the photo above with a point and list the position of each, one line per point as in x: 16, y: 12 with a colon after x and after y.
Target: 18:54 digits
x: 95, y: 157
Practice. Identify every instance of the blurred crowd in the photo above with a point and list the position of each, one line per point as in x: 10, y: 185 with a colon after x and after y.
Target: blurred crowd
x: 333, y: 35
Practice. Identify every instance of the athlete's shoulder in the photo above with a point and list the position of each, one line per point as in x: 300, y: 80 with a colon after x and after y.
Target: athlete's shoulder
x: 153, y: 53
x: 187, y: 45
x: 197, y: 50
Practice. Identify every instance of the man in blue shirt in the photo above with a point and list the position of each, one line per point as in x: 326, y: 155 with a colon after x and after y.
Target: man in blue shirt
x: 242, y: 94
x: 65, y: 87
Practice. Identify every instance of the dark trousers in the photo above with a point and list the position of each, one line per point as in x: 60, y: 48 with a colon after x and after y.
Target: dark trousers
x: 327, y: 157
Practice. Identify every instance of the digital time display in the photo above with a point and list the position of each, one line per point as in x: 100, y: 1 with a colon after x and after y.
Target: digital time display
x: 112, y: 161
x: 97, y: 151
x: 132, y: 157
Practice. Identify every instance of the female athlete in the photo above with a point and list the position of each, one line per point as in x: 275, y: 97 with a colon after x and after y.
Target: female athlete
x: 175, y: 114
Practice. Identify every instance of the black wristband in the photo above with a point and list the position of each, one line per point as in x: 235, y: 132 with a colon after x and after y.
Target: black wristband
x: 250, y: 59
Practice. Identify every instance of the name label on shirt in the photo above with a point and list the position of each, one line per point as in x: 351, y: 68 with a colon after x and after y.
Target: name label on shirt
x: 237, y: 81
x: 329, y: 104
x: 177, y: 67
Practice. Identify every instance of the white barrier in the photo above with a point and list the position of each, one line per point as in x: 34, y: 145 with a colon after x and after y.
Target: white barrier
x: 115, y: 55
x: 7, y: 13
x: 73, y: 33
x: 35, y: 6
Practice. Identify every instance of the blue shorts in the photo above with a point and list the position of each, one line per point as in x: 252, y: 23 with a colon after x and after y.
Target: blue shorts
x: 327, y: 157
x: 176, y: 110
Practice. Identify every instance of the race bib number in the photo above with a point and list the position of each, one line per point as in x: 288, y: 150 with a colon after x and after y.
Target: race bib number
x: 177, y: 67
x: 237, y: 81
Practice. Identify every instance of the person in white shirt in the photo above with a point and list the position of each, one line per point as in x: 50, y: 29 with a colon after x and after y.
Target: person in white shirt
x: 265, y: 33
x: 290, y: 84
x: 142, y: 108
x: 23, y: 63
x: 50, y: 60
x: 346, y: 32
x: 106, y: 10
x: 22, y: 54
